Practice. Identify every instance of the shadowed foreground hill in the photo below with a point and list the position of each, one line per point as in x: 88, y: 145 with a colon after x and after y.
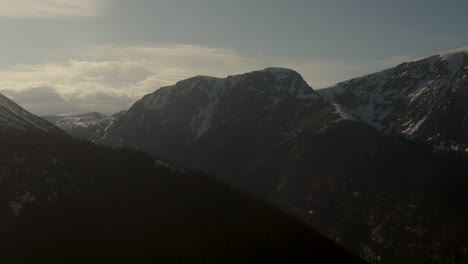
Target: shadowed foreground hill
x: 67, y: 201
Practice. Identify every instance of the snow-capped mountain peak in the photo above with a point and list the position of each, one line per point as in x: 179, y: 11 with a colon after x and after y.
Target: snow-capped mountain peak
x: 425, y: 100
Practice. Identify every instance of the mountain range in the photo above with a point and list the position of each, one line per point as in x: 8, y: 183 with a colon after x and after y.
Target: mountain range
x: 377, y: 163
x: 86, y: 125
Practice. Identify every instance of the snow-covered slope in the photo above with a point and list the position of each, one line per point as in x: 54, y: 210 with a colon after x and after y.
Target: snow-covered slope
x: 14, y: 117
x: 70, y: 121
x: 90, y: 126
x: 424, y: 100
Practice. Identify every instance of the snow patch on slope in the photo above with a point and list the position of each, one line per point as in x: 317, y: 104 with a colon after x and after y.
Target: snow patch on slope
x: 344, y: 114
x: 201, y: 122
x: 413, y: 126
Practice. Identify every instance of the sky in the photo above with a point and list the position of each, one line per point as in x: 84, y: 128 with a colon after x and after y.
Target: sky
x: 63, y: 56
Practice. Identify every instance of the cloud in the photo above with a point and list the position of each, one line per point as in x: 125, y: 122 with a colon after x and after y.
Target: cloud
x: 50, y: 8
x: 110, y: 78
x: 43, y: 95
x: 47, y: 100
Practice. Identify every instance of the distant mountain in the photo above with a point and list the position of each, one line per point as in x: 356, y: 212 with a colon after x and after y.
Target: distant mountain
x: 383, y: 196
x: 85, y: 126
x: 70, y: 121
x: 15, y: 118
x: 425, y: 100
x: 63, y: 200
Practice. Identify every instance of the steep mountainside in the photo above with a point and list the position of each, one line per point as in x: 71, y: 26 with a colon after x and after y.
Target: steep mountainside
x: 425, y: 100
x: 384, y: 197
x: 67, y: 201
x: 13, y: 117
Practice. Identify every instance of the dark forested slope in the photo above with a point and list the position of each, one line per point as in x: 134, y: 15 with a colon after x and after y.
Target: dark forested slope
x: 67, y: 201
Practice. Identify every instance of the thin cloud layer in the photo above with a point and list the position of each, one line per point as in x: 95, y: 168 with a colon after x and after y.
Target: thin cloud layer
x: 47, y: 100
x: 50, y: 8
x: 110, y: 78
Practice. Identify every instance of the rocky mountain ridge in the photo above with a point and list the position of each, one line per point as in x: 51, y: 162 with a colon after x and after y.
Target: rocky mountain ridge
x: 425, y: 100
x: 90, y: 126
